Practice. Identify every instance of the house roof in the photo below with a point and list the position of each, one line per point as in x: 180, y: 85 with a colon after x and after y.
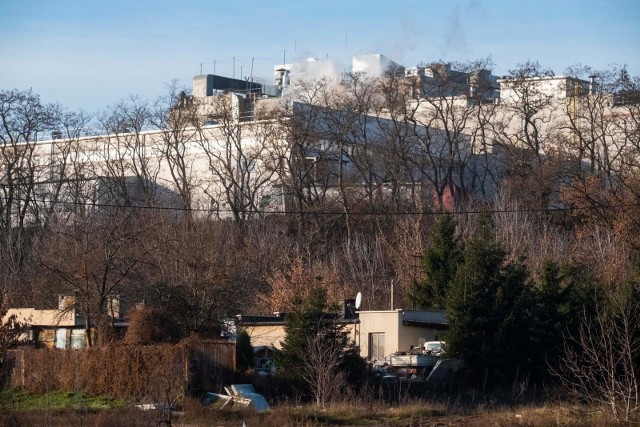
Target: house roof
x: 425, y: 324
x: 279, y: 318
x: 435, y: 319
x: 251, y: 320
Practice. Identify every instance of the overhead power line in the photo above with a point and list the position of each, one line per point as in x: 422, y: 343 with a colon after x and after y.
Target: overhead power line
x: 311, y: 212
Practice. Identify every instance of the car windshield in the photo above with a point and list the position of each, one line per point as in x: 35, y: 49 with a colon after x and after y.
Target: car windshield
x: 434, y: 347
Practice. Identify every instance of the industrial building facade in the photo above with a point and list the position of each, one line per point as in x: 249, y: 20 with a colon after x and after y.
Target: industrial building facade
x: 428, y: 137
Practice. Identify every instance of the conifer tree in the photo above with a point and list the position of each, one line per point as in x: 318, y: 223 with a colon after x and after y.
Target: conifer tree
x: 440, y: 262
x: 309, y: 318
x: 488, y: 309
x: 244, y: 351
x: 559, y: 305
x: 317, y: 350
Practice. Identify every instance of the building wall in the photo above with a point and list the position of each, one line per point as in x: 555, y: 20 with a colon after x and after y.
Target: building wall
x: 32, y: 316
x: 56, y: 328
x: 540, y: 88
x: 45, y: 337
x: 91, y: 159
x: 268, y: 335
x: 273, y: 335
x: 415, y: 336
x: 373, y: 65
x: 107, y: 160
x: 96, y: 158
x: 412, y: 334
x: 387, y: 322
x: 398, y: 336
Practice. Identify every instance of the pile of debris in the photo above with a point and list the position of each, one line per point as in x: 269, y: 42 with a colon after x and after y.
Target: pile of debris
x: 241, y: 395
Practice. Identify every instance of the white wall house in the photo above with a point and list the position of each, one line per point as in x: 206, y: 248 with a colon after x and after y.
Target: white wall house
x: 376, y: 333
x: 385, y: 332
x: 61, y: 328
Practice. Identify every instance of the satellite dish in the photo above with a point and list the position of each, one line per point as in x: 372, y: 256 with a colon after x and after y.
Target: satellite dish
x: 358, y: 300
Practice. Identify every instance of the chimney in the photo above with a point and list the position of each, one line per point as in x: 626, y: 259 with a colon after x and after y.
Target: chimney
x: 349, y: 309
x: 66, y: 301
x: 592, y: 84
x: 115, y: 307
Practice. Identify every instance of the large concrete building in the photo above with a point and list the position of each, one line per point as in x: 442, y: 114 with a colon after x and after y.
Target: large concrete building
x: 241, y: 149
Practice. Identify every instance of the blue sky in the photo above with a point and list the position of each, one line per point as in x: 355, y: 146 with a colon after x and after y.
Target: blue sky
x: 87, y: 54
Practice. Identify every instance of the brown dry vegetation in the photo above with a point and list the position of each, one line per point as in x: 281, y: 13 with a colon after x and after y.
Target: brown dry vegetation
x: 418, y: 414
x: 152, y: 373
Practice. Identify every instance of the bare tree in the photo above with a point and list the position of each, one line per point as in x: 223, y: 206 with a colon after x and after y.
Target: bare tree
x: 10, y: 329
x: 238, y: 157
x: 22, y: 117
x: 303, y: 160
x: 402, y: 244
x: 321, y: 367
x: 93, y: 259
x: 297, y: 279
x: 600, y: 363
x: 436, y: 133
x: 365, y: 266
x: 177, y: 120
x: 64, y: 187
x: 528, y: 109
x: 130, y: 161
x: 196, y: 268
x: 397, y: 163
x: 363, y: 148
x: 604, y: 142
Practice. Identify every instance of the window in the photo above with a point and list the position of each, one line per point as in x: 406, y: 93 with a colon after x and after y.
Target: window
x: 61, y: 338
x: 376, y: 346
x: 77, y: 338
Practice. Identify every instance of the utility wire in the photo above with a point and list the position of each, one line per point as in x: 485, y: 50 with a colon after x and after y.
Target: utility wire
x: 298, y: 212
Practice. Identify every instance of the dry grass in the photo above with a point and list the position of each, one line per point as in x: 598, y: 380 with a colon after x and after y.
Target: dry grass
x: 416, y: 413
x: 123, y: 417
x: 412, y: 414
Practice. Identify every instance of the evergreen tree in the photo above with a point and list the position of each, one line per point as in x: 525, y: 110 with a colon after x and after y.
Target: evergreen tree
x: 488, y: 309
x: 440, y: 262
x: 244, y: 351
x: 558, y: 307
x: 317, y: 350
x: 301, y: 324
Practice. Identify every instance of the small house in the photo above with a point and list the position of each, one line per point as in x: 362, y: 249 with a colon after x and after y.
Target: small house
x: 269, y: 330
x: 375, y: 333
x: 61, y: 328
x: 385, y: 332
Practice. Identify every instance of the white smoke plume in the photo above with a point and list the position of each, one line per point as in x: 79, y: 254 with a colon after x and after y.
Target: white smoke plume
x: 455, y: 42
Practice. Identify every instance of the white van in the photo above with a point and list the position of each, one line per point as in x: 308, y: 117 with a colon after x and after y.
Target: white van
x: 434, y: 348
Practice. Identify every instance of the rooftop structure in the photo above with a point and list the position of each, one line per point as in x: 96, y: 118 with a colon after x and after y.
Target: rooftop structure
x: 375, y: 65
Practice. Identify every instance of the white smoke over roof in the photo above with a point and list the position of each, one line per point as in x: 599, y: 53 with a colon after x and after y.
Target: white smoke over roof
x: 306, y: 69
x: 373, y: 65
x: 309, y: 69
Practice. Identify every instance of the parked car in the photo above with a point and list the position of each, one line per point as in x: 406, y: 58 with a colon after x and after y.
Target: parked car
x: 434, y: 348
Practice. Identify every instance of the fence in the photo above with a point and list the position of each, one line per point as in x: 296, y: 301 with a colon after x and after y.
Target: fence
x: 127, y: 372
